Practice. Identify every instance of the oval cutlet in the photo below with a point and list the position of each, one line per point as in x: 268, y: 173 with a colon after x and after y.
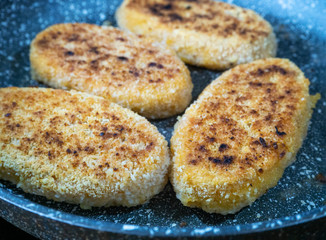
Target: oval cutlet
x: 205, y: 33
x: 130, y: 70
x: 78, y: 148
x: 235, y: 141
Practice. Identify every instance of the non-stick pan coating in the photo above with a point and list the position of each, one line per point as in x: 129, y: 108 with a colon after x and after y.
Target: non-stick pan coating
x: 299, y: 197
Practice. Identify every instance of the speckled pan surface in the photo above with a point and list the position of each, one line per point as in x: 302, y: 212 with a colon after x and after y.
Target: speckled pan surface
x: 299, y: 197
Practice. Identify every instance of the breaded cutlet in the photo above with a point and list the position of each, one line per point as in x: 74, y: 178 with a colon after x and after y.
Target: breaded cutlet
x: 205, y: 33
x: 235, y: 141
x: 128, y: 69
x: 79, y: 148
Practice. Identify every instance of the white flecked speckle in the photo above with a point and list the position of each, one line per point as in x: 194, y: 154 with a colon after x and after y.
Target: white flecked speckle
x: 129, y: 227
x: 168, y: 232
x: 254, y: 226
x: 202, y: 231
x: 102, y: 16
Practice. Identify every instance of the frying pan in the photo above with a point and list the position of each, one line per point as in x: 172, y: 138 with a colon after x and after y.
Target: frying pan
x: 296, y: 204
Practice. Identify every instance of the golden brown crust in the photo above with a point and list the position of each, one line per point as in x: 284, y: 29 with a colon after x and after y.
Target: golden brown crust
x: 204, y: 16
x: 78, y: 148
x: 239, y: 136
x: 203, y: 32
x: 127, y: 69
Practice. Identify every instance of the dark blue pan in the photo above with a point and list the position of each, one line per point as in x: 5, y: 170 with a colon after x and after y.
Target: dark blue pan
x: 295, y: 207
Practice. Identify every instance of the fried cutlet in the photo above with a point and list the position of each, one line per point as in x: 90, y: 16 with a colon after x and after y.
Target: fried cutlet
x: 205, y: 33
x: 79, y: 148
x: 128, y: 69
x: 235, y: 141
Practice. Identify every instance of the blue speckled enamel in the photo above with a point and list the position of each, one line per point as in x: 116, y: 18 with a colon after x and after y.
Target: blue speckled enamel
x: 300, y: 27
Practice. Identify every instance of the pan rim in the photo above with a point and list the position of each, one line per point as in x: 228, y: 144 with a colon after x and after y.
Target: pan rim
x: 160, y: 231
